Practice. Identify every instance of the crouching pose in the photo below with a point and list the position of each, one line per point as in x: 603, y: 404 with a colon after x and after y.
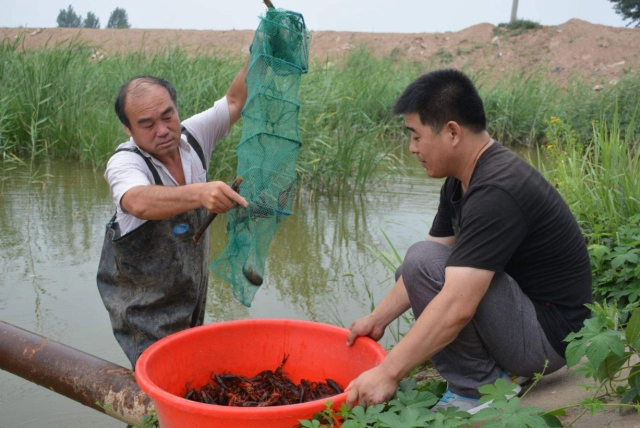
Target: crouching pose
x: 503, y: 276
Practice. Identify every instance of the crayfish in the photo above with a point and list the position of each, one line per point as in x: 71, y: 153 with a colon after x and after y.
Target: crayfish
x: 267, y: 388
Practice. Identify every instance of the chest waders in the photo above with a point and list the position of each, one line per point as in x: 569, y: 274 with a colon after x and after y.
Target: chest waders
x: 153, y: 280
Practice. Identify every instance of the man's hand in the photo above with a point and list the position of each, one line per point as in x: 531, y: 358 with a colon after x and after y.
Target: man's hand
x: 391, y: 307
x: 365, y: 326
x: 218, y: 197
x: 374, y: 386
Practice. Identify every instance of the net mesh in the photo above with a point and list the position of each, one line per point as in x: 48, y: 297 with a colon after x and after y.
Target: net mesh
x: 268, y: 149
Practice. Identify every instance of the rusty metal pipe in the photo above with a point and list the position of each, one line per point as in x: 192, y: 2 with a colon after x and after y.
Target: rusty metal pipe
x: 81, y: 377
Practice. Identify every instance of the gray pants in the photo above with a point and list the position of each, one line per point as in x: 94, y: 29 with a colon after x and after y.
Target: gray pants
x: 504, y: 333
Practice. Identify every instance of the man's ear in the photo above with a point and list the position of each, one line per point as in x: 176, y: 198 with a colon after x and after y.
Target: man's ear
x: 127, y: 130
x: 453, y: 131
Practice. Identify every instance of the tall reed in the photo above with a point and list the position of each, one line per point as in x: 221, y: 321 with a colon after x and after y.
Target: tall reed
x: 60, y: 106
x: 517, y: 106
x: 600, y: 179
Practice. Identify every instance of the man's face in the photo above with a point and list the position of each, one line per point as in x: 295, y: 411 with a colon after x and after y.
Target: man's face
x: 155, y: 125
x: 431, y: 149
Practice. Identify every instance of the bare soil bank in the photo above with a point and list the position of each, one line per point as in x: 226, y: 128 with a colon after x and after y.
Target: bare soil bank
x: 598, y: 54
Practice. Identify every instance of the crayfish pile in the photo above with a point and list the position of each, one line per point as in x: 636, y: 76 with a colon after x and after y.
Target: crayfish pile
x: 267, y: 388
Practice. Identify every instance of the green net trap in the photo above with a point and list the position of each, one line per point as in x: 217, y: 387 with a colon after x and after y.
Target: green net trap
x: 268, y: 149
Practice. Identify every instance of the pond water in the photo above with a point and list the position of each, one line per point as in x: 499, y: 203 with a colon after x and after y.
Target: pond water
x: 320, y: 267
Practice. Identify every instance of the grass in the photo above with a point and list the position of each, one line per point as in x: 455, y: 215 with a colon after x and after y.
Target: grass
x: 60, y: 106
x: 599, y: 179
x: 516, y: 27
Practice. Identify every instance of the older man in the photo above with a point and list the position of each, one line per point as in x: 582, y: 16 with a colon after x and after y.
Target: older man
x: 152, y: 275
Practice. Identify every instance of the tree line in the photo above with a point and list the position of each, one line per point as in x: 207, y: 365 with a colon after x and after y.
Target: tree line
x: 68, y: 18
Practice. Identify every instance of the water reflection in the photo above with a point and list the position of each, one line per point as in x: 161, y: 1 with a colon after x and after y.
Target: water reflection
x: 319, y: 268
x: 319, y: 265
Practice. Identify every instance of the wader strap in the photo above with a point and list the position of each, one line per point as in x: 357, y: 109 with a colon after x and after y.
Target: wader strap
x: 195, y: 145
x: 154, y: 171
x: 156, y: 177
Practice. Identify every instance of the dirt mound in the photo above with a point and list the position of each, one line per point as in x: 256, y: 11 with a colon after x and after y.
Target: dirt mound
x: 599, y: 54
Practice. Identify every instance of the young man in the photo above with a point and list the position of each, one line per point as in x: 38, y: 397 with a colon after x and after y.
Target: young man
x: 504, y: 274
x: 152, y: 276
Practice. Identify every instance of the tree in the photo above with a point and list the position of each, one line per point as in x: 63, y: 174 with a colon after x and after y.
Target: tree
x: 118, y: 19
x: 68, y: 18
x: 91, y: 21
x: 629, y: 9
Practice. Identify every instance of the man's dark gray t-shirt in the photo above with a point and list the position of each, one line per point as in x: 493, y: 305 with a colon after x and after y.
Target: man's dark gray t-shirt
x: 512, y: 220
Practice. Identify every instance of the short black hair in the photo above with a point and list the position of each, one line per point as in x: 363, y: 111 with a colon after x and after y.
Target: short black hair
x: 443, y: 95
x: 131, y: 84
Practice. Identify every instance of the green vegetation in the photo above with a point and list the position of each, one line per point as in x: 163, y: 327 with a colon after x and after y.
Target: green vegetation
x: 610, y: 341
x: 148, y: 421
x: 118, y: 19
x: 443, y: 56
x: 69, y: 18
x: 600, y: 180
x: 61, y: 107
x: 516, y: 27
x: 91, y: 21
x: 629, y: 10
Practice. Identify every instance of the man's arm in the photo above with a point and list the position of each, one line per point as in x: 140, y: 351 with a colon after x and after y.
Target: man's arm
x: 441, y: 320
x: 449, y: 241
x: 390, y: 308
x: 237, y: 94
x: 162, y: 202
x: 438, y: 325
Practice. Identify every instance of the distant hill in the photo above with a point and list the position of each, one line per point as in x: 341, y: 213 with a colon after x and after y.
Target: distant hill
x: 598, y: 54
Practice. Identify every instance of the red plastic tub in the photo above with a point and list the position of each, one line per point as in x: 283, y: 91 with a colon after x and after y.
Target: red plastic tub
x: 316, y: 352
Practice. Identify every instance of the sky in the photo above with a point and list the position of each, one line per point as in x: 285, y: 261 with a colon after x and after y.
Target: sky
x: 383, y: 16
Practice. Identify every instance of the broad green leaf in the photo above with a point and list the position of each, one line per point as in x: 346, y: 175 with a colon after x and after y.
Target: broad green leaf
x: 634, y: 376
x: 631, y: 396
x: 498, y: 391
x: 368, y: 415
x: 408, y: 384
x: 603, y: 343
x: 611, y: 366
x: 408, y: 418
x: 509, y: 414
x: 355, y: 424
x: 557, y: 412
x: 621, y: 259
x: 575, y: 351
x: 633, y: 327
x: 448, y: 418
x: 599, y: 250
x: 551, y: 420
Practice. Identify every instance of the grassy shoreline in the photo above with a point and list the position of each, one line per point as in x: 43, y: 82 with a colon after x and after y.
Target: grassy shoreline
x: 60, y: 106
